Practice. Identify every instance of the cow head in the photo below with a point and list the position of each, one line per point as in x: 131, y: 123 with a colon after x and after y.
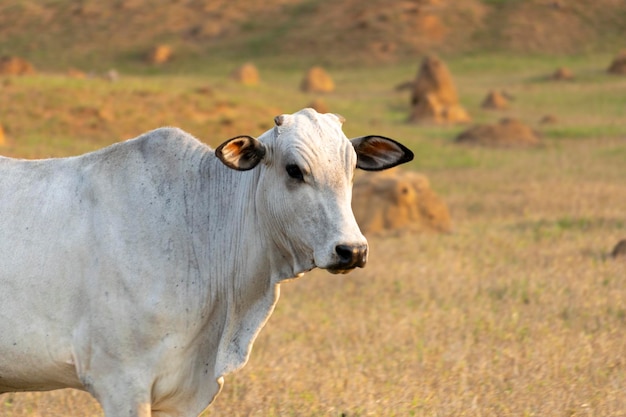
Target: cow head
x: 304, y: 188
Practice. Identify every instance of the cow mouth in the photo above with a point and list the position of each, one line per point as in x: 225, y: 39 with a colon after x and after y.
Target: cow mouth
x: 343, y: 271
x: 346, y: 267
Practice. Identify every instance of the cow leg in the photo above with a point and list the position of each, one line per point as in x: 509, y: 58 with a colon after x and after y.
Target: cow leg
x: 119, y: 405
x: 127, y: 410
x: 123, y: 397
x: 190, y: 404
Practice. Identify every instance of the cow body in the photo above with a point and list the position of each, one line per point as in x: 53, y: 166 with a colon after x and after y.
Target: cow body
x: 143, y: 272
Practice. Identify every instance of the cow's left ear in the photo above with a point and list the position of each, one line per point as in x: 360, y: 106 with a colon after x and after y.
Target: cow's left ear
x: 375, y: 153
x: 241, y: 153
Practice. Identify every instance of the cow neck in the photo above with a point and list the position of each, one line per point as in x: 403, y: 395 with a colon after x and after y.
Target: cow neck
x: 241, y: 281
x: 230, y: 243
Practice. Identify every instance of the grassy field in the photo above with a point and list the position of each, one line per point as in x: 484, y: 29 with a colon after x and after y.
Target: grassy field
x: 520, y: 312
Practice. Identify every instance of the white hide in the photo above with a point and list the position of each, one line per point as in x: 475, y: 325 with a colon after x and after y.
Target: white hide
x: 143, y: 272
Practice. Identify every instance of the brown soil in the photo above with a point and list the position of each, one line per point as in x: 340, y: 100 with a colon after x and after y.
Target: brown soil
x: 508, y: 132
x: 247, y: 74
x: 618, y: 66
x: 434, y: 98
x: 562, y: 74
x: 317, y: 80
x: 75, y: 73
x: 619, y: 251
x: 549, y: 119
x: 160, y: 54
x: 495, y: 100
x: 319, y: 105
x: 395, y: 201
x: 353, y: 30
x: 13, y: 65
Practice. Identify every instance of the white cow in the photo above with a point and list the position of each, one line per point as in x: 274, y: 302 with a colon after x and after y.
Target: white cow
x: 143, y: 272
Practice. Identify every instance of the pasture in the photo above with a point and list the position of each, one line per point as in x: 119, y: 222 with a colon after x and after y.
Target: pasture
x: 519, y: 312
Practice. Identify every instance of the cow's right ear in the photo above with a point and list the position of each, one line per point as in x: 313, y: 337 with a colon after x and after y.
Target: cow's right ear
x: 241, y: 153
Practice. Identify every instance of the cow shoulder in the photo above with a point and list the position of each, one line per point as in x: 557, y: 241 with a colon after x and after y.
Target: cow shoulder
x: 163, y: 142
x: 159, y: 150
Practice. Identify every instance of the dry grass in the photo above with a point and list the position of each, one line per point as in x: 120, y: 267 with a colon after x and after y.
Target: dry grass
x: 519, y: 312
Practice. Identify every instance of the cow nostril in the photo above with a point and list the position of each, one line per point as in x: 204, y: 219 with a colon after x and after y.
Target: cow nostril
x: 345, y: 252
x: 352, y: 256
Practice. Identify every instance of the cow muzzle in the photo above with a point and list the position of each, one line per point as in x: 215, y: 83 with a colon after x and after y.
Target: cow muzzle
x: 349, y: 257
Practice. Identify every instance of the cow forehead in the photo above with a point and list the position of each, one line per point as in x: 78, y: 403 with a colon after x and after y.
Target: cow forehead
x: 316, y: 138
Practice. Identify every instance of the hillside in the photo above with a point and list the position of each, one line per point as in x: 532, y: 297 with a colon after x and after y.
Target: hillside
x: 91, y: 34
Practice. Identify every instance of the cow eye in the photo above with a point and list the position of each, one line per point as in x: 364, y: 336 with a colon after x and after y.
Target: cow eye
x: 294, y: 172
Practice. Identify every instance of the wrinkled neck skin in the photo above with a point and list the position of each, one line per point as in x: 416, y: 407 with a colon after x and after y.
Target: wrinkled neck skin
x: 243, y: 272
x: 258, y: 248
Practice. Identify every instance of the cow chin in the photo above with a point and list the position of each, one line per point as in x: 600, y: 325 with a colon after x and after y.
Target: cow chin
x: 340, y: 270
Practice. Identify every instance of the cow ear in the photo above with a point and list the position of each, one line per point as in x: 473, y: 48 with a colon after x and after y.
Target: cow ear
x: 241, y: 153
x: 376, y: 153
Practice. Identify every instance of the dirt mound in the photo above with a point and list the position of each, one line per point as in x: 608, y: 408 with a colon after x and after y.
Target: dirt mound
x: 398, y: 201
x: 76, y: 73
x: 562, y: 74
x: 434, y: 98
x: 317, y: 80
x: 247, y: 74
x: 508, y: 132
x: 495, y: 100
x: 319, y: 105
x: 160, y: 54
x: 13, y: 65
x: 548, y: 119
x: 618, y: 66
x: 619, y: 251
x: 434, y: 78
